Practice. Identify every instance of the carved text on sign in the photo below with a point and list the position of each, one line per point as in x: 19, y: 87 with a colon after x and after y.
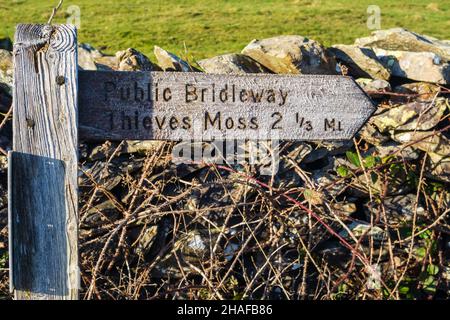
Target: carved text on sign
x: 176, y: 106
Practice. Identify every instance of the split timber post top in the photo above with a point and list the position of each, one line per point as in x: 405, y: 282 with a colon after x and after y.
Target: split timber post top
x: 54, y: 103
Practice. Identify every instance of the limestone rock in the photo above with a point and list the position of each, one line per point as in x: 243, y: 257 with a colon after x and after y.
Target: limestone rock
x: 411, y: 116
x: 133, y: 60
x: 392, y: 148
x: 195, y: 245
x: 299, y: 152
x: 326, y: 180
x: 90, y: 58
x: 291, y: 54
x: 404, y: 40
x: 316, y: 155
x: 345, y: 208
x: 358, y: 229
x: 232, y: 64
x: 87, y: 55
x: 335, y: 147
x: 371, y: 87
x: 191, y: 249
x: 102, y: 151
x: 106, y: 63
x: 419, y: 66
x: 108, y: 175
x: 100, y: 214
x: 371, y: 135
x: 170, y: 62
x: 108, y: 148
x: 362, y: 62
x: 6, y: 70
x: 398, y: 209
x: 141, y: 146
x: 438, y: 167
x: 424, y: 91
x: 429, y: 142
x: 436, y: 145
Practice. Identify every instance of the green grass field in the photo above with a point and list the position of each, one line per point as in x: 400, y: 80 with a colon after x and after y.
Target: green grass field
x: 206, y: 27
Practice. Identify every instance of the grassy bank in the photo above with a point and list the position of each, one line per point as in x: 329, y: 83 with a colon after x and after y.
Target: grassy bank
x: 211, y: 27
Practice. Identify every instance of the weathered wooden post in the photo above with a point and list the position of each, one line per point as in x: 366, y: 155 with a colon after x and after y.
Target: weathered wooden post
x: 43, y: 198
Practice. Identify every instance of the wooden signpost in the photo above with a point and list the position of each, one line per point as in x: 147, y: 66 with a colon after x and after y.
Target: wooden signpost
x: 51, y: 97
x: 175, y: 106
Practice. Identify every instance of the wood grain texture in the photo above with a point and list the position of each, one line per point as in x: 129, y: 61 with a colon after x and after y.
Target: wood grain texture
x: 39, y: 244
x: 198, y: 106
x: 45, y: 129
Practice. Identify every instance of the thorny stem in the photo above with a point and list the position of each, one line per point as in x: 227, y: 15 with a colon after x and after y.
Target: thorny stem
x: 55, y: 9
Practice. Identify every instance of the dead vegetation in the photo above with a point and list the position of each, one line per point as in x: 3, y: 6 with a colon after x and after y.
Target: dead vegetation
x: 335, y: 222
x: 150, y: 229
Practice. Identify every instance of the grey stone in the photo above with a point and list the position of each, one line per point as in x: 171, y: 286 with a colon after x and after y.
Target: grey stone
x: 330, y: 183
x: 106, y: 149
x: 373, y: 87
x: 297, y: 155
x: 106, y: 175
x: 316, y: 154
x: 344, y: 208
x: 334, y: 253
x: 90, y: 58
x: 335, y: 147
x: 232, y: 64
x: 438, y: 167
x: 102, y: 151
x: 361, y: 62
x: 291, y: 54
x: 419, y: 66
x: 436, y: 145
x: 392, y: 148
x: 412, y: 116
x: 432, y: 143
x: 358, y: 229
x: 403, y: 40
x: 421, y: 88
x: 371, y: 135
x: 141, y: 146
x: 168, y: 61
x: 133, y: 60
x: 398, y: 209
x: 87, y: 55
x: 100, y: 214
x: 107, y: 63
x: 420, y: 91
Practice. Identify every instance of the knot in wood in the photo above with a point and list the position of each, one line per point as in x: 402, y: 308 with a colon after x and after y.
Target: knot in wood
x: 60, y: 80
x: 30, y: 122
